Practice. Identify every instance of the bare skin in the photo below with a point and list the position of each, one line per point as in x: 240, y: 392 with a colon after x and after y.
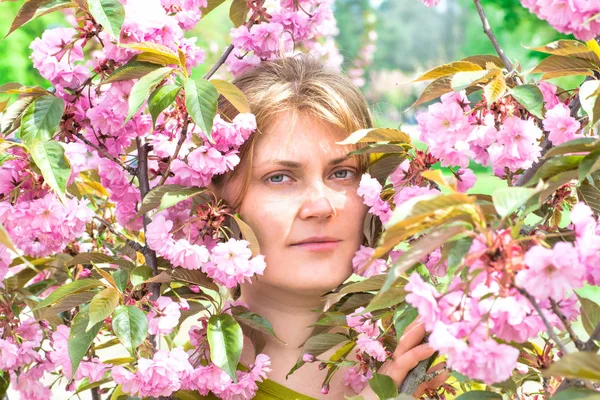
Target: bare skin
x: 302, y: 204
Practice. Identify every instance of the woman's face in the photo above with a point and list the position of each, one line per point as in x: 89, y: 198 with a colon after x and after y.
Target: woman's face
x: 302, y: 204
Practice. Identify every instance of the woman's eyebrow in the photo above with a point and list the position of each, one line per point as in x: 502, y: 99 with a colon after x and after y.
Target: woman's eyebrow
x: 296, y: 164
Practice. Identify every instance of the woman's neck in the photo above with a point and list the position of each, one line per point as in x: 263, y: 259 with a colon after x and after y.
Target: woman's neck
x: 291, y: 314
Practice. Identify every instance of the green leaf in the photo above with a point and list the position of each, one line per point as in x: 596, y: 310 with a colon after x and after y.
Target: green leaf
x: 590, y: 195
x: 130, y: 326
x: 589, y: 165
x: 134, y: 69
x: 317, y: 345
x: 11, y: 117
x: 479, y: 395
x: 166, y: 196
x: 576, y: 394
x: 225, y: 339
x: 82, y: 285
x: 211, y: 5
x: 403, y: 317
x: 586, y: 144
x: 103, y: 304
x: 388, y: 298
x: 53, y: 5
x: 580, y: 365
x: 121, y: 277
x: 589, y: 95
x: 162, y: 98
x: 110, y: 14
x: 50, y: 159
x: 383, y: 386
x: 252, y: 320
x: 41, y: 119
x: 99, y: 258
x: 194, y: 277
x: 80, y: 338
x: 25, y: 14
x: 508, y: 200
x: 590, y: 314
x: 530, y: 97
x: 463, y: 80
x: 140, y: 274
x: 434, y: 90
x: 238, y: 12
x: 234, y: 95
x: 248, y: 234
x: 143, y: 87
x: 459, y: 249
x: 201, y: 103
x: 155, y: 53
x: 372, y: 283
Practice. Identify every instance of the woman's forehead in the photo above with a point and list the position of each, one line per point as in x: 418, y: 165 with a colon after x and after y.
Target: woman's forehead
x: 299, y: 138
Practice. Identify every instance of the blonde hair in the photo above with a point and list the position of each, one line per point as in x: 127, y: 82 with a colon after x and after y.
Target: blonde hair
x: 295, y: 84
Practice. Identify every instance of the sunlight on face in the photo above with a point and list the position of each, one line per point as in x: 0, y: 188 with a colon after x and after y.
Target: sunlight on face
x: 302, y: 204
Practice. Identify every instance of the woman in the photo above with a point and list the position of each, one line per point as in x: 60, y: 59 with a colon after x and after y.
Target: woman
x: 297, y: 189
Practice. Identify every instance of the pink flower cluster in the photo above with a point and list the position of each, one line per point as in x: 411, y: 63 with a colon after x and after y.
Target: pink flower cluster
x: 558, y: 122
x: 288, y: 25
x: 122, y: 192
x: 170, y: 371
x: 455, y: 135
x: 164, y: 316
x: 360, y: 259
x: 577, y: 17
x: 44, y: 226
x: 54, y: 56
x: 555, y: 273
x: 228, y: 263
x: 368, y: 334
x: 5, y: 260
x: 370, y: 190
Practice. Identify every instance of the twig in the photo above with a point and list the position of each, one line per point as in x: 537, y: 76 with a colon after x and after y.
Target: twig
x: 105, y: 154
x: 432, y: 375
x: 177, y: 149
x: 488, y: 31
x: 150, y: 254
x: 578, y: 343
x: 220, y: 62
x: 132, y: 243
x: 549, y: 328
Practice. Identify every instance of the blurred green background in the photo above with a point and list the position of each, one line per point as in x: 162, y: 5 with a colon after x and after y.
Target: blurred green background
x: 410, y: 38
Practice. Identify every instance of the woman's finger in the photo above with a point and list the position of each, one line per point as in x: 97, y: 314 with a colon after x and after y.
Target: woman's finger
x: 401, y: 365
x: 410, y: 339
x: 432, y: 384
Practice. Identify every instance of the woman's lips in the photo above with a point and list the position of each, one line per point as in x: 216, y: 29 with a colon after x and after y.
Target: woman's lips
x: 318, y: 246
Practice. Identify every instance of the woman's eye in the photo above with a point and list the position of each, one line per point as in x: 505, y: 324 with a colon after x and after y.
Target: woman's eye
x: 278, y: 178
x: 342, y: 173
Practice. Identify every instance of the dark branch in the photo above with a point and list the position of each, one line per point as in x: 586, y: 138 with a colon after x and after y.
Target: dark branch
x: 182, y: 138
x: 220, y: 62
x: 488, y: 31
x: 549, y: 328
x: 578, y: 343
x: 105, y: 154
x: 149, y: 254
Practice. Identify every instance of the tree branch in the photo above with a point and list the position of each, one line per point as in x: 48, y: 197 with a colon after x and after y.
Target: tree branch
x: 549, y: 328
x: 180, y: 142
x: 132, y: 243
x: 150, y: 254
x: 105, y: 154
x: 578, y: 343
x: 220, y: 62
x: 488, y: 31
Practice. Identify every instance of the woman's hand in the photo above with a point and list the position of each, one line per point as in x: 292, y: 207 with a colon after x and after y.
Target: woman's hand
x: 409, y: 352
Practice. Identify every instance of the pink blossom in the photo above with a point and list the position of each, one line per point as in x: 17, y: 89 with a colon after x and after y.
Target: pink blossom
x: 488, y: 361
x: 30, y: 385
x: 560, y: 125
x: 431, y: 3
x: 5, y: 260
x: 433, y: 264
x: 423, y: 297
x: 551, y: 273
x: 357, y: 379
x: 373, y: 347
x: 370, y: 190
x: 466, y: 179
x: 549, y: 92
x: 577, y: 17
x: 362, y: 323
x: 587, y: 230
x: 187, y: 255
x: 409, y: 192
x: 517, y: 145
x: 360, y: 260
x: 158, y: 235
x: 8, y: 355
x: 232, y: 263
x: 93, y: 370
x: 164, y: 317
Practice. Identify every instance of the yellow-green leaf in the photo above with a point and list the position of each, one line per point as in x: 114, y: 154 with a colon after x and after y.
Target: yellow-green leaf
x: 495, y: 89
x: 103, y: 304
x: 232, y: 94
x: 108, y: 13
x: 373, y: 135
x: 448, y: 69
x: 589, y: 95
x: 580, y: 365
x: 50, y: 159
x: 154, y: 53
x: 238, y: 12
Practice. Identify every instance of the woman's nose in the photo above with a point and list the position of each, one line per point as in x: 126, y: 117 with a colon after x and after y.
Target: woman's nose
x: 318, y: 203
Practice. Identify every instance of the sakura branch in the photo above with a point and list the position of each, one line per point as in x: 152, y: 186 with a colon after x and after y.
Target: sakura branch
x: 549, y: 328
x: 578, y: 343
x: 490, y: 34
